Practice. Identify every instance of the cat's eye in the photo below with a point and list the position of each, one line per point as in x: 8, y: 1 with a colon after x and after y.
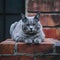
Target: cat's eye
x: 33, y: 24
x: 25, y: 28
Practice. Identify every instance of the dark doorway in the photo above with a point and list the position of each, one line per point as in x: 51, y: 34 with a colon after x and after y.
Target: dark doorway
x: 10, y: 11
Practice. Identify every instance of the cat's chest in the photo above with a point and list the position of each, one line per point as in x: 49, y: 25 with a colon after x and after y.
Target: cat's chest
x: 31, y: 36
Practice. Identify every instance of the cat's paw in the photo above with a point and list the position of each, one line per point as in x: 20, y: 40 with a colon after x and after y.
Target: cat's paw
x: 29, y: 41
x: 37, y: 41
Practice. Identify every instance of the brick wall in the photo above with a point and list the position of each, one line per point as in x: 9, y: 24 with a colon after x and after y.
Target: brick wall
x: 47, y: 50
x: 52, y: 33
x: 44, y: 5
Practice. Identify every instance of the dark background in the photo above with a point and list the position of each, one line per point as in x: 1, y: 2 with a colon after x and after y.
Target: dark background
x: 10, y: 11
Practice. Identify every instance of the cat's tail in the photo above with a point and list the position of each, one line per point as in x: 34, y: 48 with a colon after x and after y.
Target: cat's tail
x: 12, y: 27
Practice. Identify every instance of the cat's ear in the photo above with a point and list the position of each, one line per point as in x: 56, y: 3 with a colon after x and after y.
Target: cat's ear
x: 24, y: 19
x: 22, y: 15
x: 37, y: 16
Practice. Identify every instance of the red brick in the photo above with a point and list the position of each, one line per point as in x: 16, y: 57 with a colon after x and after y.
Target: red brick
x: 32, y: 6
x: 37, y: 6
x: 50, y: 32
x: 44, y: 47
x: 43, y: 20
x: 58, y: 33
x: 24, y: 48
x: 9, y: 58
x: 53, y: 20
x: 16, y: 58
x: 50, y: 21
x: 26, y: 58
x: 57, y: 57
x: 43, y: 6
x: 31, y: 14
x: 7, y: 47
x: 44, y: 58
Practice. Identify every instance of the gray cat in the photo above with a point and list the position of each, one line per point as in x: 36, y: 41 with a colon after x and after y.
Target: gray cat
x: 27, y: 30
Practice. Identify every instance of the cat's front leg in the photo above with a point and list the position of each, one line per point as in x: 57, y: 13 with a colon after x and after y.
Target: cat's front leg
x: 38, y: 40
x: 28, y: 41
x: 19, y: 39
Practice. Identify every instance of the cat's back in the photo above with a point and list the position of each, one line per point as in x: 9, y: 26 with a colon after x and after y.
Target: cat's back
x: 18, y: 28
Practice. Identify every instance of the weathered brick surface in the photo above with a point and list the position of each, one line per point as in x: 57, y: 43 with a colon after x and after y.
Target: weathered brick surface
x: 44, y: 47
x: 51, y: 57
x: 43, y: 6
x: 24, y: 48
x: 58, y: 33
x: 31, y: 14
x: 9, y: 57
x: 50, y: 32
x: 7, y: 47
x: 26, y: 58
x: 50, y: 21
x: 44, y: 57
x: 43, y: 19
x: 16, y: 58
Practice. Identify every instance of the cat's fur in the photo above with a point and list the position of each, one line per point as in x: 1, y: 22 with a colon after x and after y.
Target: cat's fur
x: 28, y: 30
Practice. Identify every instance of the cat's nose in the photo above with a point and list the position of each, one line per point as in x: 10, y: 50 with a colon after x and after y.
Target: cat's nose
x: 30, y: 29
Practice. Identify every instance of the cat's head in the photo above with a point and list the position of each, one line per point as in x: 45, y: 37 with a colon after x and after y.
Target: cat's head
x: 30, y: 24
